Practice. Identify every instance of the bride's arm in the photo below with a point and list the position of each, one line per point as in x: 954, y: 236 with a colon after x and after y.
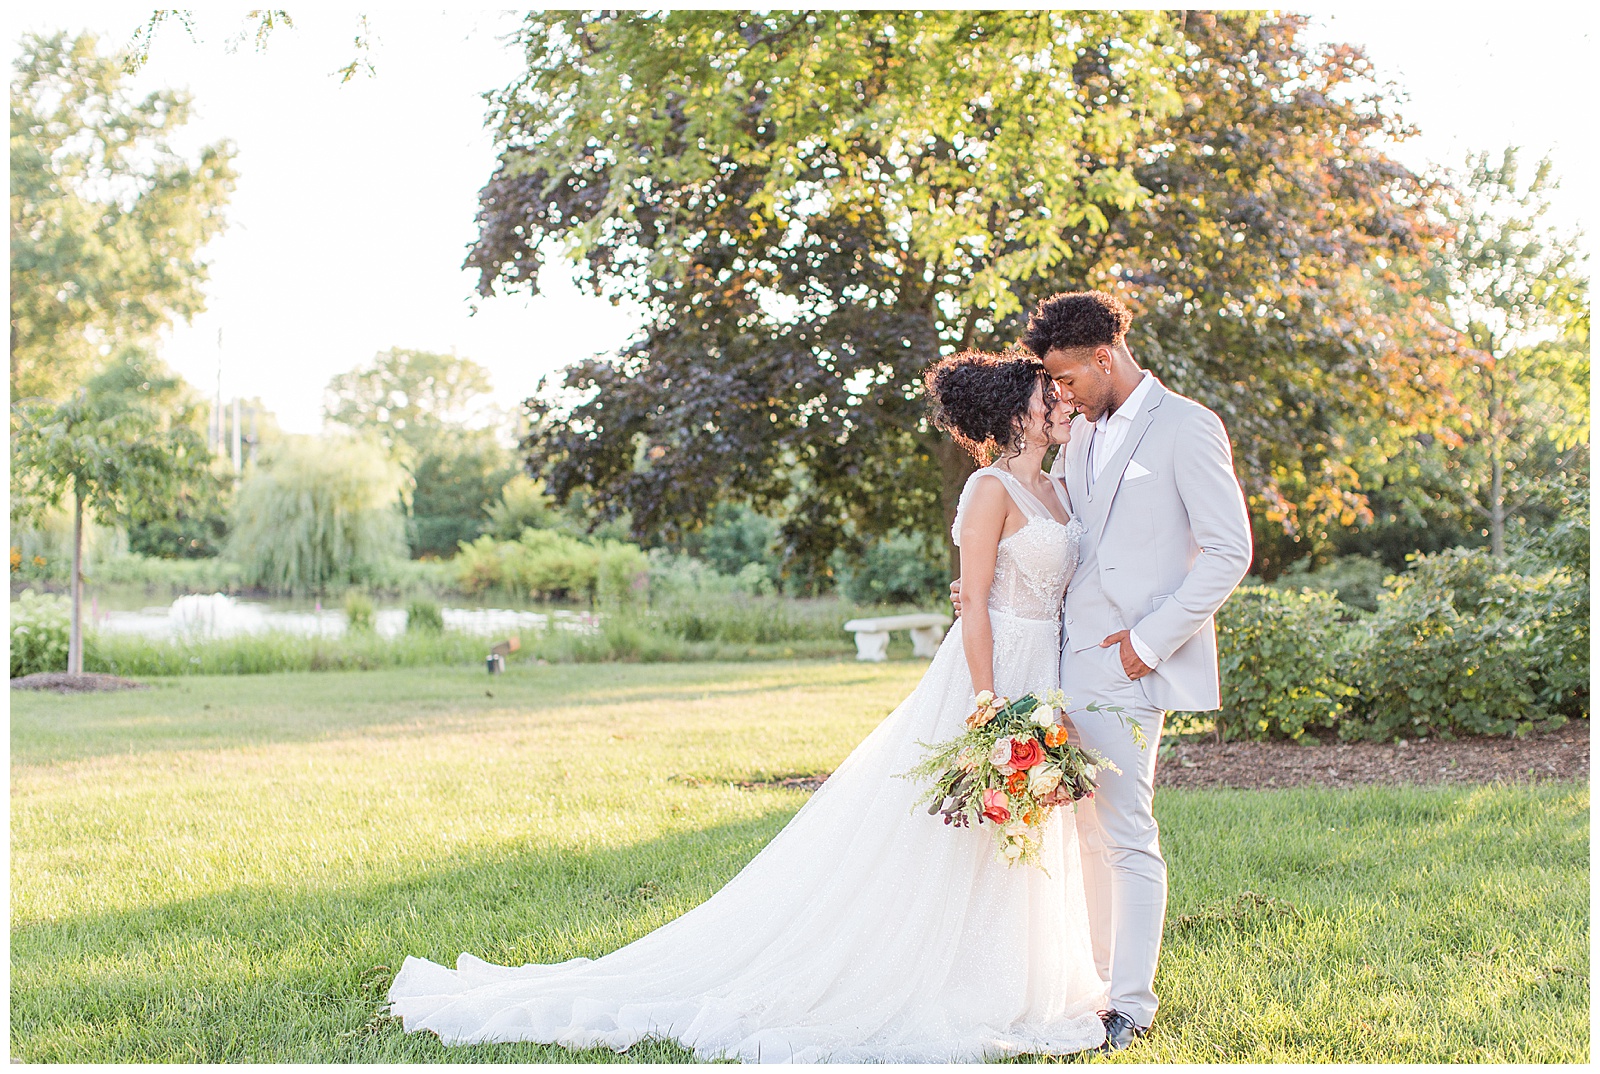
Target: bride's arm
x: 982, y: 523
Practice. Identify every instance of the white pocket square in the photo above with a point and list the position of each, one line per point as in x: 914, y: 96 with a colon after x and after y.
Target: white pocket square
x: 1134, y: 471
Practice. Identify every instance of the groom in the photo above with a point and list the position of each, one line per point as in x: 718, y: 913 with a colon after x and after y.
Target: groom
x: 1150, y: 475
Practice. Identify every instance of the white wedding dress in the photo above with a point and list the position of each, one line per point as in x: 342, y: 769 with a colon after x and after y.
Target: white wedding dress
x: 867, y: 930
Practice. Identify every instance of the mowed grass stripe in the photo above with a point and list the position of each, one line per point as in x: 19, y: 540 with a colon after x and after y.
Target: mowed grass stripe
x: 239, y: 881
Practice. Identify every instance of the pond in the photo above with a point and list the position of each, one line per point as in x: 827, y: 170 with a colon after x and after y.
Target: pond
x: 217, y: 615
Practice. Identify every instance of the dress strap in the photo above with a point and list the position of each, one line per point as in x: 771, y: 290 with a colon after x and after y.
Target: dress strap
x: 1026, y: 501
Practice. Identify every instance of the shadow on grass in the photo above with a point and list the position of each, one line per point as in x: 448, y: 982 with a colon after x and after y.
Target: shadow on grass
x: 267, y: 975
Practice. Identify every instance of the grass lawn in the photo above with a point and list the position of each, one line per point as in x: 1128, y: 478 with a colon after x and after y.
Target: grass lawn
x: 230, y: 868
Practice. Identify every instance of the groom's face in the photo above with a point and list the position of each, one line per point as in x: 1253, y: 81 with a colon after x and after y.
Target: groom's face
x: 1083, y: 377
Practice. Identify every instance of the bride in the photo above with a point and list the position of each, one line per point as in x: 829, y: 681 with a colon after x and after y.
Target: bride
x: 866, y: 931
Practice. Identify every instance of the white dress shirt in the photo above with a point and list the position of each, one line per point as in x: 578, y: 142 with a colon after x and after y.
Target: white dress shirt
x: 1105, y: 437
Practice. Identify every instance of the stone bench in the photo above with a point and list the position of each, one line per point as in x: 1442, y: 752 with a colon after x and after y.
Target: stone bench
x: 872, y: 635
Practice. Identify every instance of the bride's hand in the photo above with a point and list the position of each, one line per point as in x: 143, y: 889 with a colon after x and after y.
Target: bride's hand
x: 955, y: 596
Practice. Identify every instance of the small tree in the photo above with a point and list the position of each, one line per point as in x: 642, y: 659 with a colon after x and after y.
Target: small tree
x: 1515, y: 290
x: 125, y: 439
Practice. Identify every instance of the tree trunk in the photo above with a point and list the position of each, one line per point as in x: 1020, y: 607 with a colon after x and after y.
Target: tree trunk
x: 955, y: 466
x: 1497, y: 506
x: 75, y: 642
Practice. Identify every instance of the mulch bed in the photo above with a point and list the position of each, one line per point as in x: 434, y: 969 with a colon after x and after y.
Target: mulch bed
x: 62, y: 683
x: 1562, y: 754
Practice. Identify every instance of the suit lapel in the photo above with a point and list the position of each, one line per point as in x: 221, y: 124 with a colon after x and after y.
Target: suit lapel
x: 1077, y: 468
x: 1105, y: 489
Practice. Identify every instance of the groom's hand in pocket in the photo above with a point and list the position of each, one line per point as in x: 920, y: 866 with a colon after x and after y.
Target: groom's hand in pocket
x: 1132, y: 666
x: 955, y: 596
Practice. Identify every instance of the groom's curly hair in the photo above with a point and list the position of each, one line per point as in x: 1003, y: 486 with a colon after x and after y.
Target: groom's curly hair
x: 1076, y: 319
x: 982, y: 399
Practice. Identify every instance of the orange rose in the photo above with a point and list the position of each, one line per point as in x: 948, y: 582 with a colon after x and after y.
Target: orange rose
x: 1016, y: 783
x: 1055, y: 735
x: 1026, y: 752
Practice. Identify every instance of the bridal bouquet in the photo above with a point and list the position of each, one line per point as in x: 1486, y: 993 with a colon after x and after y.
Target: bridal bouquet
x: 1012, y: 766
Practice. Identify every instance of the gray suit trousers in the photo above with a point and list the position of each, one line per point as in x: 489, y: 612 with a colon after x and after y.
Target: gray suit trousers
x: 1124, y: 875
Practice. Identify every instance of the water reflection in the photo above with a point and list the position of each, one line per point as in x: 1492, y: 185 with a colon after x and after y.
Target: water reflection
x: 217, y: 615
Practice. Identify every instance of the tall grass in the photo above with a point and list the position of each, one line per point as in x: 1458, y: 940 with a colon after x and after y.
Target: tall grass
x: 726, y: 628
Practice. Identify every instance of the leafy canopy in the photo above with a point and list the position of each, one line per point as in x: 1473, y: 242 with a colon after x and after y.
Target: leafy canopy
x: 814, y: 206
x: 107, y: 220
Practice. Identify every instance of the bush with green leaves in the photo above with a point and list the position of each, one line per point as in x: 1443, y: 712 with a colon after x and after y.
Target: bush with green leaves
x: 40, y: 628
x: 358, y: 611
x: 548, y: 565
x: 1355, y: 580
x: 424, y: 617
x: 900, y: 569
x: 1280, y: 655
x: 1463, y: 644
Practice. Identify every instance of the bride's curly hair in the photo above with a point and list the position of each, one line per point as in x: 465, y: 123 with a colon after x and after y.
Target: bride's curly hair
x: 982, y: 399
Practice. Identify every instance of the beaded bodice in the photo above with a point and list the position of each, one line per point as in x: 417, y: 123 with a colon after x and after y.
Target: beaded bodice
x: 1034, y: 564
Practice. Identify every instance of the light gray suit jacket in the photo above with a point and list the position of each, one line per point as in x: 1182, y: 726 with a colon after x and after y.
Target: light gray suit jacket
x: 1163, y: 549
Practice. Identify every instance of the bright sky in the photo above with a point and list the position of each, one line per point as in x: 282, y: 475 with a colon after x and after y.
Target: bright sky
x: 355, y: 202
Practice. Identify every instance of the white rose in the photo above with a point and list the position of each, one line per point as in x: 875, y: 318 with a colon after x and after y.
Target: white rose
x: 1043, y: 780
x: 1044, y: 716
x: 984, y: 698
x: 1001, y: 754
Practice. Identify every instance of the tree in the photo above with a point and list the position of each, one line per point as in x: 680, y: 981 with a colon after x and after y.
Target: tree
x: 421, y: 407
x: 107, y: 221
x: 812, y: 207
x: 456, y: 480
x: 1505, y: 279
x: 123, y: 440
x: 311, y: 514
x: 407, y: 398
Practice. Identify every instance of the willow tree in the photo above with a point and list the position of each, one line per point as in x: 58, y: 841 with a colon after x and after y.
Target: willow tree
x: 812, y: 207
x: 309, y: 515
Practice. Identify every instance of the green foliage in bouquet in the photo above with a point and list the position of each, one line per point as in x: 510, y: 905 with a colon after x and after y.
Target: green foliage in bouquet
x: 39, y: 633
x: 1281, y: 658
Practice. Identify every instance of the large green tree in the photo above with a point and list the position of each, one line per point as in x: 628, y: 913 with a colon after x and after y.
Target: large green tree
x: 126, y: 439
x: 812, y: 207
x: 1515, y: 288
x: 107, y: 220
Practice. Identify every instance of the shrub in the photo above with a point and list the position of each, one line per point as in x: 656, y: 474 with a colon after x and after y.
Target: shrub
x: 424, y: 617
x: 40, y: 632
x: 1355, y: 580
x: 358, y: 611
x: 1459, y: 646
x: 900, y: 569
x: 549, y: 565
x: 1280, y: 656
x: 622, y: 575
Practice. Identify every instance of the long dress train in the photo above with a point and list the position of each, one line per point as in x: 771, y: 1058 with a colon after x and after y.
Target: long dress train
x: 867, y: 930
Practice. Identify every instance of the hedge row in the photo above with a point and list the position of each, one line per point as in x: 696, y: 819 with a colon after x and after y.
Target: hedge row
x: 1461, y: 644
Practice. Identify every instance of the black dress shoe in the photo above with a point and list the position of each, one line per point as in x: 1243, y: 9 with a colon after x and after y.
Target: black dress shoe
x: 1120, y: 1031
